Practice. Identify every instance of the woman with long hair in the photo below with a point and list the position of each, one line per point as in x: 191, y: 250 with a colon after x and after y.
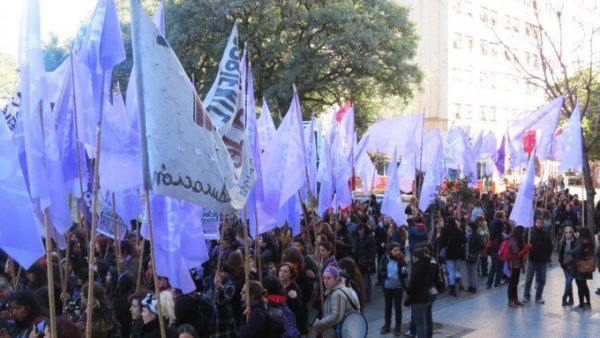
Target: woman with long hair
x: 518, y: 249
x: 583, y: 250
x: 256, y: 324
x: 392, y: 272
x: 567, y: 263
x: 355, y: 280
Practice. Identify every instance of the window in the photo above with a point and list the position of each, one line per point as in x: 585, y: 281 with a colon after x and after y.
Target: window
x: 469, y: 43
x: 457, y: 41
x: 493, y: 113
x: 484, y: 47
x: 493, y: 18
x: 483, y: 15
x: 468, y: 111
x: 456, y: 110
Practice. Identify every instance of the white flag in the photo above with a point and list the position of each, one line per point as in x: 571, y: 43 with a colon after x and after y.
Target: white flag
x: 184, y: 156
x: 571, y: 142
x: 522, y: 211
x: 392, y: 199
x: 434, y: 175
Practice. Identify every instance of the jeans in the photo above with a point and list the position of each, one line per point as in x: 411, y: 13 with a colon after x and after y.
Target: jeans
x: 367, y: 284
x: 453, y: 273
x: 430, y: 316
x: 419, y: 316
x: 513, y: 283
x: 483, y: 260
x: 495, y: 274
x: 393, y: 296
x: 568, y: 283
x: 472, y: 274
x: 539, y: 269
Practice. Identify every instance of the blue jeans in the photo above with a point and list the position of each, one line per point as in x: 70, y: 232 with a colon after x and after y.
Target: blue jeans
x: 568, y: 283
x: 430, y: 316
x: 453, y: 273
x: 418, y: 313
x: 539, y: 269
x: 495, y: 274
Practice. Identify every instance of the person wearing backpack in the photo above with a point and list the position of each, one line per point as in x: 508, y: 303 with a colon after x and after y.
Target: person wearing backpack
x: 496, y: 236
x: 453, y: 239
x: 259, y: 323
x: 338, y: 303
x: 277, y: 297
x: 196, y: 309
x: 473, y: 248
x: 518, y: 249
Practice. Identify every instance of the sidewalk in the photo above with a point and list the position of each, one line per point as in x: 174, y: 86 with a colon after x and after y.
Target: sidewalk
x: 486, y: 314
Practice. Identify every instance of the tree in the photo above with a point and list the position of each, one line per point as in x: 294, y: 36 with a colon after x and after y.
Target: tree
x: 55, y: 52
x: 572, y: 72
x: 9, y: 78
x: 332, y: 50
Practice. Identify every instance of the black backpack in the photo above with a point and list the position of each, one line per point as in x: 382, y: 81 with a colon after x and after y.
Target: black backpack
x: 206, y: 310
x: 275, y: 322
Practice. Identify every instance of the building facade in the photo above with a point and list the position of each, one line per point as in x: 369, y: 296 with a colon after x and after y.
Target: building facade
x: 470, y: 51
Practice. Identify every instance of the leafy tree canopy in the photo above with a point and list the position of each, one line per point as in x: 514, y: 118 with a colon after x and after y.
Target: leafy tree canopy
x: 332, y: 50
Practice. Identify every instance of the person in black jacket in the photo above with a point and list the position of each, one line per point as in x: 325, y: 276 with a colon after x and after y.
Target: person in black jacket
x: 421, y: 281
x: 496, y: 236
x: 365, y: 255
x: 473, y: 249
x: 539, y: 254
x: 453, y: 242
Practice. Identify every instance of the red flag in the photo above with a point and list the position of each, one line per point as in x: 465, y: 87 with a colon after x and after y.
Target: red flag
x: 528, y: 140
x: 340, y: 113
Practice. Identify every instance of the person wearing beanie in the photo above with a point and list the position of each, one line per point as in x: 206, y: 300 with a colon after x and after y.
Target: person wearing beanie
x: 151, y: 328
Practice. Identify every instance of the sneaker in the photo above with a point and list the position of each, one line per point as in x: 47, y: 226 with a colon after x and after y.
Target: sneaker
x: 578, y: 308
x: 385, y: 329
x: 525, y: 300
x: 540, y: 301
x: 408, y: 334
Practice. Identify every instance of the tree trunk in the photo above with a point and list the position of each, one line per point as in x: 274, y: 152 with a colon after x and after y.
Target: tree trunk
x: 590, y: 192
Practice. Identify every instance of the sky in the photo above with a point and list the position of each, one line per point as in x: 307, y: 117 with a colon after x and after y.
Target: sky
x: 61, y: 17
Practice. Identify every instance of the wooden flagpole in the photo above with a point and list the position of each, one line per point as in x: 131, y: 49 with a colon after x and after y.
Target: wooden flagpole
x: 50, y: 274
x: 161, y: 319
x: 257, y: 246
x: 92, y: 255
x: 247, y: 262
x: 116, y: 231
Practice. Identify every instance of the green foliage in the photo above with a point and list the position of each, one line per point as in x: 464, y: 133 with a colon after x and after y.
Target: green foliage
x: 55, y: 52
x: 9, y: 78
x: 333, y: 50
x: 459, y: 191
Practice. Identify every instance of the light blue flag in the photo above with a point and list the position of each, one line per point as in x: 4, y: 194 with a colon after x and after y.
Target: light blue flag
x: 100, y: 51
x: 32, y: 77
x: 178, y: 239
x: 290, y: 213
x: 120, y: 149
x: 522, y: 211
x: 392, y: 205
x: 325, y: 177
x: 571, y: 142
x: 128, y: 204
x: 265, y: 126
x: 284, y: 175
x: 19, y: 235
x: 434, y: 173
x: 131, y: 104
x: 311, y: 158
x: 37, y: 132
x: 257, y: 194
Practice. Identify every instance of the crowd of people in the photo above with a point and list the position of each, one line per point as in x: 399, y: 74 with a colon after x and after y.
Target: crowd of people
x: 310, y: 281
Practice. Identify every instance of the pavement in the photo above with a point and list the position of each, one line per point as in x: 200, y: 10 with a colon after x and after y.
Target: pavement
x: 486, y: 314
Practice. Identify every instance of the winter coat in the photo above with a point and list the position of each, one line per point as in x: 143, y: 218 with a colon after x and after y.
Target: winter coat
x: 421, y: 280
x: 416, y: 235
x: 365, y: 253
x: 475, y: 246
x: 453, y: 239
x: 541, y: 246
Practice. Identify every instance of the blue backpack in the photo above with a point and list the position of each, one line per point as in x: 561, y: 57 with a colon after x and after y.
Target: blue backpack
x: 289, y: 323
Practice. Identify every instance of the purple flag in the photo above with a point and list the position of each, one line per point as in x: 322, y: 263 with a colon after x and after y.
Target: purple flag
x: 19, y: 235
x: 284, y: 176
x: 178, y: 239
x: 571, y: 142
x: 522, y: 211
x: 101, y: 50
x: 500, y: 156
x: 265, y: 126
